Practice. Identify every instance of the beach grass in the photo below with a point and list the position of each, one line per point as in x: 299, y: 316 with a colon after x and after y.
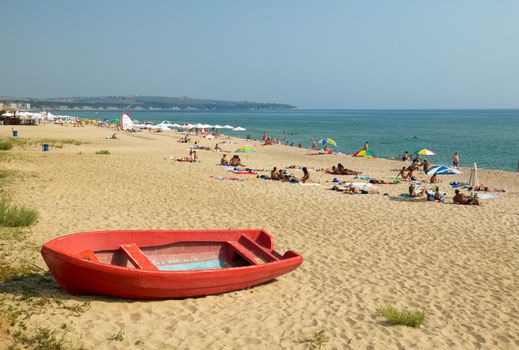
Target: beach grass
x: 405, y: 317
x: 43, y: 339
x: 6, y: 145
x: 319, y: 339
x: 40, y: 141
x: 16, y: 216
x: 103, y: 151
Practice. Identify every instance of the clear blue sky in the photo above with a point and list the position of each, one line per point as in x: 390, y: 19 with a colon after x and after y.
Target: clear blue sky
x: 313, y: 54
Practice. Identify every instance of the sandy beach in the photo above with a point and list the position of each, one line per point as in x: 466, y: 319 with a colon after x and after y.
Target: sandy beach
x: 456, y: 263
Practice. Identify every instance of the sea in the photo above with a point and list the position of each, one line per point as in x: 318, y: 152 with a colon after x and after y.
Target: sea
x: 488, y: 137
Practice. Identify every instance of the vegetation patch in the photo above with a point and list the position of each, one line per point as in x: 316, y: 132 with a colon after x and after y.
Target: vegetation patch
x: 119, y: 336
x: 6, y: 145
x: 42, y: 339
x: 16, y: 216
x: 103, y: 151
x: 405, y: 318
x: 319, y: 339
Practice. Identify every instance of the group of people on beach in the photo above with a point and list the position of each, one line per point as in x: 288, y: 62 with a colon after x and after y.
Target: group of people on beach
x: 234, y: 161
x: 286, y: 176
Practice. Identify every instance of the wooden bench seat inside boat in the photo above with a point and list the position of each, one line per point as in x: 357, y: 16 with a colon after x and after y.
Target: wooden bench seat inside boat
x: 137, y: 257
x: 252, y: 251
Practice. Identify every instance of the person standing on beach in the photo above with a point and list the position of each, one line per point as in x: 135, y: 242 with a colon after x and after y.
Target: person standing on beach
x: 366, y: 146
x: 455, y: 160
x: 314, y: 145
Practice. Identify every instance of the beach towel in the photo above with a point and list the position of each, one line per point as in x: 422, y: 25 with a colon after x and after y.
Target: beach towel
x: 243, y: 172
x: 221, y: 178
x: 487, y: 196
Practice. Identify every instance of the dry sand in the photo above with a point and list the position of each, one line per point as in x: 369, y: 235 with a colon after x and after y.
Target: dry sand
x: 459, y: 264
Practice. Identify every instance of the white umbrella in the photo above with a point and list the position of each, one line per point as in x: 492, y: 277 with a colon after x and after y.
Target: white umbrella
x: 227, y: 127
x: 239, y: 128
x: 473, y: 180
x: 8, y: 114
x: 176, y: 125
x: 217, y: 126
x: 207, y: 126
x: 209, y: 136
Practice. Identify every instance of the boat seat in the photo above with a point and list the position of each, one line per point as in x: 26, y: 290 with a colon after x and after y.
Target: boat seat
x: 88, y: 255
x: 246, y: 253
x: 137, y: 257
x: 250, y: 244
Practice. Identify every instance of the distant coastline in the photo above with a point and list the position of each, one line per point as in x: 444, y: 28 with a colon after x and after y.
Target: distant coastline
x: 138, y: 102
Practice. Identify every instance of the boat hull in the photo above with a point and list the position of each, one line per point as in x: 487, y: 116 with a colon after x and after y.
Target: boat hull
x: 82, y: 276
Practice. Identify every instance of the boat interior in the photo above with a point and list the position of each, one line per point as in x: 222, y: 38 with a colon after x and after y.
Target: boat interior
x: 186, y: 256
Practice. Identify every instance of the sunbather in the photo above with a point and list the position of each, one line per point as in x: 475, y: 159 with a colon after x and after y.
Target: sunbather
x: 460, y: 198
x: 402, y: 173
x: 224, y: 160
x: 274, y: 174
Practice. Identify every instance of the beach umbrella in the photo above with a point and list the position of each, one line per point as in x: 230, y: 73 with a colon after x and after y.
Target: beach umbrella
x: 264, y: 136
x: 239, y: 128
x: 328, y: 141
x: 217, y: 126
x: 364, y: 154
x: 442, y: 170
x: 424, y: 152
x: 245, y: 149
x: 473, y: 180
x: 209, y: 136
x: 227, y: 127
x: 8, y: 114
x: 115, y: 121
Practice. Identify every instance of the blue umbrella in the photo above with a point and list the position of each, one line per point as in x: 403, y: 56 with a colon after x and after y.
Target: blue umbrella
x: 442, y: 170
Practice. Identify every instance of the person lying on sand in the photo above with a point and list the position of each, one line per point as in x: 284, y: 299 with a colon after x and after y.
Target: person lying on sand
x: 352, y: 189
x: 113, y: 137
x: 486, y: 189
x: 460, y: 198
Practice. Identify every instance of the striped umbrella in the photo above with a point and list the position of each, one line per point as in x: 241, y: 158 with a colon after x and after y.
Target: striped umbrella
x: 364, y: 154
x: 425, y: 152
x: 245, y: 149
x: 328, y: 141
x: 442, y: 170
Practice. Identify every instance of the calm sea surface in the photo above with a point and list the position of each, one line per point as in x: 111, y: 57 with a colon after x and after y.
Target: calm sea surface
x: 490, y: 137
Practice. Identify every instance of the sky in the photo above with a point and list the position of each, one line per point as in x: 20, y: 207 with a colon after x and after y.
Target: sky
x: 312, y: 54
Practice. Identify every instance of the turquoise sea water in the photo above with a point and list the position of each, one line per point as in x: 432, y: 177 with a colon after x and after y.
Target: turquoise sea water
x: 490, y: 137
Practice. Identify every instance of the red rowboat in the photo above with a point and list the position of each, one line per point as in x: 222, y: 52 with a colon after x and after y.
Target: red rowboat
x: 165, y: 264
